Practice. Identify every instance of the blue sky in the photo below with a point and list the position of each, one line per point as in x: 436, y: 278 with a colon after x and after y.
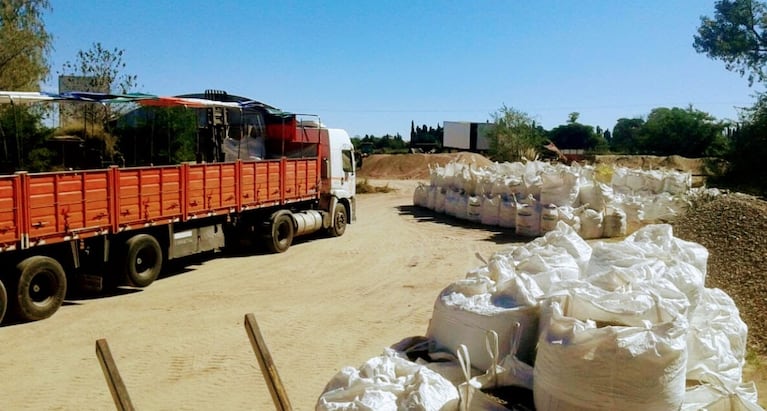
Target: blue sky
x: 373, y: 66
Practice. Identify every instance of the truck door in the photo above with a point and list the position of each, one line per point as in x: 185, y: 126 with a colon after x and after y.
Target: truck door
x: 342, y: 170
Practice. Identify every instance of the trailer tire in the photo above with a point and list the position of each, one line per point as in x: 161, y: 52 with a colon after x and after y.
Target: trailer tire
x: 340, y: 218
x: 281, y: 234
x: 142, y: 261
x: 3, y: 301
x: 40, y: 289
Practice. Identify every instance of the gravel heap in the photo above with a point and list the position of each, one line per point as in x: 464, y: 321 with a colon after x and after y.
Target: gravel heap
x: 733, y: 227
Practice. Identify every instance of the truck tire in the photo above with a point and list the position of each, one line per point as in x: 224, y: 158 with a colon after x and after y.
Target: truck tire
x: 281, y: 234
x: 340, y: 218
x: 3, y: 301
x: 40, y: 289
x: 142, y: 261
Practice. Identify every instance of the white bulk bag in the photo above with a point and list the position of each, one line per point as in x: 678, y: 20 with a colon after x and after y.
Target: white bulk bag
x: 677, y: 182
x: 509, y: 186
x: 635, y: 180
x: 491, y: 208
x: 595, y: 195
x: 431, y: 197
x: 652, y: 255
x: 547, y: 265
x: 437, y: 176
x: 532, y: 186
x: 618, y: 181
x: 716, y: 342
x: 722, y: 397
x: 663, y: 208
x: 467, y: 309
x: 614, y: 223
x: 591, y: 223
x: 421, y: 196
x: 549, y: 218
x: 567, y: 238
x: 474, y: 209
x: 451, y: 202
x: 569, y: 216
x: 439, y: 200
x: 580, y: 366
x: 388, y: 382
x: 632, y: 206
x: 653, y: 182
x: 451, y: 175
x: 559, y: 186
x: 528, y: 221
x: 662, y: 237
x: 461, y: 206
x: 465, y: 181
x: 507, y: 213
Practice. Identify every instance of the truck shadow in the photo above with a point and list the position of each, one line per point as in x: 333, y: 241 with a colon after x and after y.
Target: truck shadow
x: 498, y: 235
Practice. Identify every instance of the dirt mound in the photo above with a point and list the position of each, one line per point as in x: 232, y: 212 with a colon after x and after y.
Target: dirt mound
x: 413, y: 166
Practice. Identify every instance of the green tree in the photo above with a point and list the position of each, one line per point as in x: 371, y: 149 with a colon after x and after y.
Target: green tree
x: 686, y: 132
x: 736, y: 35
x: 514, y: 136
x: 24, y: 140
x: 24, y: 44
x: 103, y: 68
x: 625, y: 136
x: 24, y: 48
x: 99, y: 69
x: 749, y: 149
x: 575, y: 135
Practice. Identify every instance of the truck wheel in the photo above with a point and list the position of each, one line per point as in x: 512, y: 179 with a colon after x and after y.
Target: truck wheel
x: 143, y: 260
x: 3, y: 301
x: 40, y: 289
x: 339, y: 221
x: 281, y: 236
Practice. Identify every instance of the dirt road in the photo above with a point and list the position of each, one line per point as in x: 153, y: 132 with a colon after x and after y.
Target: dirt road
x: 180, y: 344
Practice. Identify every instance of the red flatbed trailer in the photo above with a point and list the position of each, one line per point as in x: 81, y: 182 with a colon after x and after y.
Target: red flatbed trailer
x: 117, y: 226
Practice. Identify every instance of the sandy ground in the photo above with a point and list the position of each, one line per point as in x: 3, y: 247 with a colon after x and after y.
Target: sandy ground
x: 180, y: 344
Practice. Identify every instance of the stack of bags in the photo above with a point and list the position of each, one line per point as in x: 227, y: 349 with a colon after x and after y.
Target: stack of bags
x: 532, y: 197
x: 558, y: 324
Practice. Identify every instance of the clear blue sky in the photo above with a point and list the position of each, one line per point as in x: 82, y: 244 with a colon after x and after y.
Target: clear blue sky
x: 373, y: 66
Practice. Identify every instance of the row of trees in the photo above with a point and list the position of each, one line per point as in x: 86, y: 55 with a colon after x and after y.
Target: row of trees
x: 665, y: 131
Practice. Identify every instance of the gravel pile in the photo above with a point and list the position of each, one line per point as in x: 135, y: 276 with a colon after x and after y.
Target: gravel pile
x: 733, y: 228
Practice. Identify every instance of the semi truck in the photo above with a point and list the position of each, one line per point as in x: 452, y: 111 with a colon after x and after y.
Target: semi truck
x: 118, y: 225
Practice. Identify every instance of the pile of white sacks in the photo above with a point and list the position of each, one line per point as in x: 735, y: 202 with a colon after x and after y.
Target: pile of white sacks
x: 622, y: 325
x: 532, y: 197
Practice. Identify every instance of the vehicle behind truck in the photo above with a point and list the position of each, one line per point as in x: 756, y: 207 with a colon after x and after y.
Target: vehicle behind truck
x: 117, y: 226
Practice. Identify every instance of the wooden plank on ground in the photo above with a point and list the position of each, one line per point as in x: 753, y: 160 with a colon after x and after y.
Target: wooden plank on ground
x: 112, y: 375
x: 268, y: 369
